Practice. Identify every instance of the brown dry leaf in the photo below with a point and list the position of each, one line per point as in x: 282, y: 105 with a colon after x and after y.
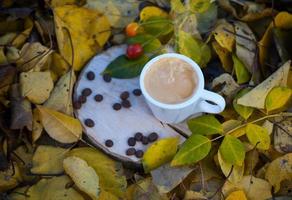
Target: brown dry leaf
x: 36, y: 86
x: 224, y: 56
x: 237, y: 195
x: 20, y: 39
x: 21, y: 113
x: 251, y: 160
x: 48, y: 160
x: 8, y: 179
x: 58, y: 65
x: 254, y: 188
x: 17, y: 193
x: 33, y: 56
x: 59, y: 126
x: 61, y: 97
x: 37, y: 127
x: 280, y: 169
x: 191, y: 195
x: 88, y: 29
x: 53, y: 189
x: 256, y: 97
x: 224, y: 34
x: 83, y: 176
x: 282, y: 139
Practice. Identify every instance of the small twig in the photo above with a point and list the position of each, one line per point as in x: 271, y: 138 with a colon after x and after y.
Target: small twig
x: 202, y: 176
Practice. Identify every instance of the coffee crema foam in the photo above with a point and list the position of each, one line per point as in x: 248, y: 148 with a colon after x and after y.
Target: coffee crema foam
x: 170, y: 80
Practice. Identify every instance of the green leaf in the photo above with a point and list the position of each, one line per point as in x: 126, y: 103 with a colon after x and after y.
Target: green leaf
x: 157, y: 26
x: 241, y: 72
x: 149, y: 42
x: 177, y: 6
x: 205, y: 125
x: 193, y: 48
x: 199, y: 6
x: 258, y: 136
x: 159, y: 153
x: 195, y: 148
x: 124, y: 68
x: 278, y: 98
x: 232, y: 150
x: 243, y: 111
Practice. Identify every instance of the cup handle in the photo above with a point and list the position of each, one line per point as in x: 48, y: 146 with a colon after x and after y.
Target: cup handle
x: 217, y: 107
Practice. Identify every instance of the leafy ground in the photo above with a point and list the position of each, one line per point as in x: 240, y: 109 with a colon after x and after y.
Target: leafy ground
x: 244, y: 49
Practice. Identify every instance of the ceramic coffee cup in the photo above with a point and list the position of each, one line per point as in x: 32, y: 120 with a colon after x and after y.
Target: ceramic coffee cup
x: 195, y: 105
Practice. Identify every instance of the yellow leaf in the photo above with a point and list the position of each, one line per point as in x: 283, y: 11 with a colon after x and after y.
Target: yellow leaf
x: 224, y: 35
x: 277, y: 99
x: 60, y: 127
x: 53, y: 189
x: 83, y: 176
x: 199, y: 6
x: 58, y: 65
x: 241, y: 72
x: 258, y: 136
x: 37, y: 127
x: 279, y: 170
x: 224, y: 56
x: 151, y: 11
x: 192, y: 195
x: 88, y: 29
x: 8, y: 179
x: 109, y: 171
x: 36, y: 86
x: 56, y: 3
x: 159, y: 153
x: 243, y: 111
x: 48, y: 160
x: 17, y: 193
x: 61, y: 97
x: 104, y: 195
x: 19, y: 40
x: 177, y: 6
x: 237, y: 195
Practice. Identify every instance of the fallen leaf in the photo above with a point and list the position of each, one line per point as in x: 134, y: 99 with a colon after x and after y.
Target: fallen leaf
x: 58, y: 65
x: 228, y: 87
x: 258, y: 136
x: 7, y: 74
x: 256, y: 97
x: 166, y: 178
x: 199, y: 6
x: 17, y: 193
x: 279, y: 170
x: 277, y: 99
x: 254, y: 188
x: 10, y: 178
x: 241, y: 72
x: 224, y: 56
x: 206, y: 20
x: 88, y: 29
x: 48, y: 160
x: 236, y: 173
x: 191, y: 195
x: 20, y: 39
x: 37, y: 127
x: 36, y: 86
x: 177, y: 6
x: 251, y: 161
x: 205, y: 125
x: 61, y: 96
x: 282, y: 140
x: 224, y: 34
x: 150, y: 11
x: 60, y: 127
x: 83, y: 175
x: 237, y: 195
x: 53, y: 188
x: 232, y: 150
x: 195, y: 148
x: 159, y: 153
x: 243, y: 111
x: 109, y: 171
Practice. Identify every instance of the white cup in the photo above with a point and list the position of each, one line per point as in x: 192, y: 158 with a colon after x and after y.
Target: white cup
x: 195, y: 105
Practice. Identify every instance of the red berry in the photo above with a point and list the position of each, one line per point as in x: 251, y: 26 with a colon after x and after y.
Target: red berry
x: 134, y: 51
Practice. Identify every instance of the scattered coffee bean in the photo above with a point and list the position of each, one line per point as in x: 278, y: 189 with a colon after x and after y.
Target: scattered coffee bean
x: 90, y: 75
x: 126, y: 104
x: 139, y: 154
x: 117, y: 106
x: 131, y: 141
x: 124, y: 95
x: 131, y: 151
x: 138, y: 136
x: 89, y: 122
x: 82, y: 99
x: 77, y: 105
x: 152, y: 137
x: 86, y: 92
x: 107, y: 78
x: 137, y: 92
x: 144, y: 140
x: 109, y: 143
x: 98, y: 97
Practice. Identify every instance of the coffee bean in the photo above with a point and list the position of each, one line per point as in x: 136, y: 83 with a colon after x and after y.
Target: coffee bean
x: 77, y: 105
x: 138, y: 136
x: 86, y: 92
x: 131, y: 141
x: 126, y: 104
x: 131, y: 151
x: 107, y: 78
x: 152, y: 137
x: 137, y: 92
x: 139, y: 154
x: 117, y: 106
x: 144, y: 140
x: 82, y: 99
x: 90, y: 75
x: 89, y: 122
x: 109, y: 143
x: 124, y: 95
x: 98, y: 97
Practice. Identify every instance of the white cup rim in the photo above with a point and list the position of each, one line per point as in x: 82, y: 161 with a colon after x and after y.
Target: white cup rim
x: 191, y: 100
